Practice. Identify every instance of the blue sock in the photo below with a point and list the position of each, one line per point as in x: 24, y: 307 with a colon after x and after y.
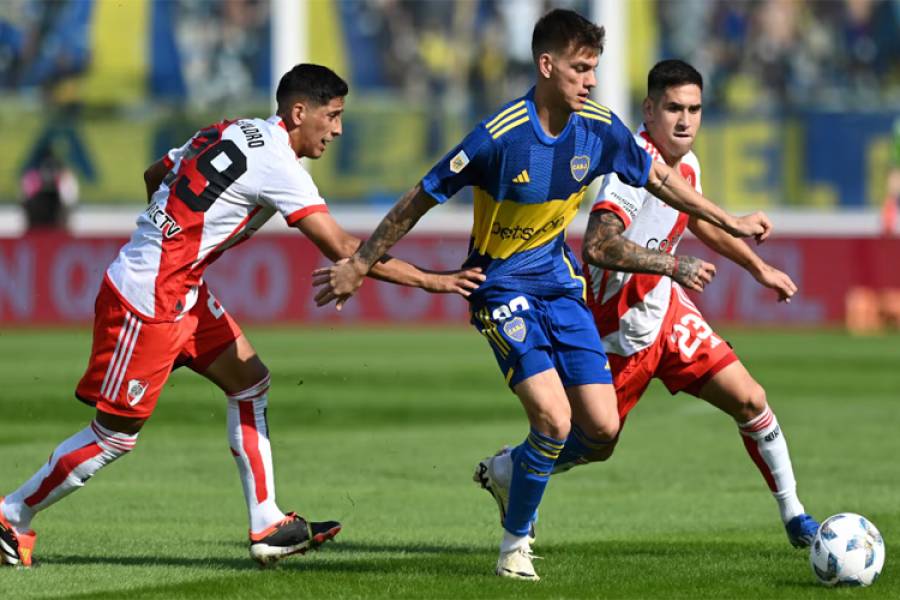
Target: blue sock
x: 578, y: 445
x: 532, y: 464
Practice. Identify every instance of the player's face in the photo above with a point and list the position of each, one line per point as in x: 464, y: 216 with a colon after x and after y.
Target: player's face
x: 673, y: 120
x: 320, y: 125
x: 573, y: 75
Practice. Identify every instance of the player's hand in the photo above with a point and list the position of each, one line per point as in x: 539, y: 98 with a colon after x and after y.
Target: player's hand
x: 693, y: 273
x: 338, y: 282
x: 462, y: 282
x: 774, y: 279
x: 755, y: 225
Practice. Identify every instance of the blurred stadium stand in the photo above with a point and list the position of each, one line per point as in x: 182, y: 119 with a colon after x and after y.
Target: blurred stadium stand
x: 800, y: 98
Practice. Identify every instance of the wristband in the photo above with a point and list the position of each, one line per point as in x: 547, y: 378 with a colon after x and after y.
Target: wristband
x: 674, y: 265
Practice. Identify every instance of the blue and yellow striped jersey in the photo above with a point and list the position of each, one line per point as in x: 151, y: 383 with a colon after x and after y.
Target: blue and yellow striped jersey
x: 528, y: 187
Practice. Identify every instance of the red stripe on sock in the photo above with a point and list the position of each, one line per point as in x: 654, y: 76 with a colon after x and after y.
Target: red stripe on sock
x: 762, y: 424
x: 250, y: 444
x: 64, y: 466
x: 753, y: 451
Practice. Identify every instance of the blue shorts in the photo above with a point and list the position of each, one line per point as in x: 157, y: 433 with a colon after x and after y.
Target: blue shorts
x: 529, y: 335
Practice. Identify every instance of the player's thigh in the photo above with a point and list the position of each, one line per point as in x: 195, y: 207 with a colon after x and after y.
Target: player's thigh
x: 219, y: 350
x: 545, y: 402
x: 594, y: 410
x: 734, y: 391
x: 236, y: 368
x: 692, y: 353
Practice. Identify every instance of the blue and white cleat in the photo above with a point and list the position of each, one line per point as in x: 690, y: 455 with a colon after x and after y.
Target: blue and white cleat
x: 801, y: 530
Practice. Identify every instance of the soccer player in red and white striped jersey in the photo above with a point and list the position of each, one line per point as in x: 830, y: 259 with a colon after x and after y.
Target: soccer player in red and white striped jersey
x: 154, y: 312
x: 649, y: 326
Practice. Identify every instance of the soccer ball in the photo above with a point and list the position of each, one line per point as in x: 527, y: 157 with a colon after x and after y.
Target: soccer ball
x: 847, y: 550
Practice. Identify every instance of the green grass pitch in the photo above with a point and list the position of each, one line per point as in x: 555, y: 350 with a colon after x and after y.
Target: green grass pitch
x: 381, y: 429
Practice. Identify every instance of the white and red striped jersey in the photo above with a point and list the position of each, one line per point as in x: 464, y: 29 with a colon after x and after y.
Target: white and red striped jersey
x: 629, y: 307
x: 223, y: 184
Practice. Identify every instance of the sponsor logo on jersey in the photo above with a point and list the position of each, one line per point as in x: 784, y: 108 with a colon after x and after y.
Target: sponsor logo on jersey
x: 627, y: 205
x: 773, y: 435
x: 162, y: 221
x: 136, y: 390
x: 664, y: 244
x: 459, y: 162
x: 526, y: 233
x: 515, y: 329
x: 579, y: 166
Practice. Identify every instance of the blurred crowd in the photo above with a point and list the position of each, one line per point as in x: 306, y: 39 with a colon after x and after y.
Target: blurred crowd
x: 789, y: 54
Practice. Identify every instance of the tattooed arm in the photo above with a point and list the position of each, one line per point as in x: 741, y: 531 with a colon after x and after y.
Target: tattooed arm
x: 605, y: 246
x: 340, y: 281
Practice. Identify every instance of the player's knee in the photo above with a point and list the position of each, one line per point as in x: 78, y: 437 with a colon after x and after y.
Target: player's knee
x: 555, y: 424
x: 751, y: 403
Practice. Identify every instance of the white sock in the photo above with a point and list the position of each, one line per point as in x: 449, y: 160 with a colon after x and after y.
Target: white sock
x: 511, y: 541
x: 248, y: 434
x: 72, y: 463
x: 767, y: 447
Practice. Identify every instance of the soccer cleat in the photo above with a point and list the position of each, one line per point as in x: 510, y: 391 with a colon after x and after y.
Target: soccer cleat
x: 517, y: 564
x: 292, y: 535
x: 801, y: 530
x: 15, y: 548
x: 486, y: 475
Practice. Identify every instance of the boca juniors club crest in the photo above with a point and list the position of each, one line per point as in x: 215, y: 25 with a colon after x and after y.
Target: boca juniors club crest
x: 515, y: 329
x: 135, y: 391
x: 580, y: 165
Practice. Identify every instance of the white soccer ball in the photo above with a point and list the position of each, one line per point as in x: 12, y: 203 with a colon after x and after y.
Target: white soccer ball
x: 848, y: 550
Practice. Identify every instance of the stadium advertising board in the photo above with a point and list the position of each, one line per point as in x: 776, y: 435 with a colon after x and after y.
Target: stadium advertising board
x: 53, y: 279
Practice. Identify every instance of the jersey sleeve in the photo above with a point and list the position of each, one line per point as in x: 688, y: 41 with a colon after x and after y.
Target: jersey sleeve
x: 290, y: 190
x: 172, y: 156
x: 624, y: 200
x: 464, y: 165
x: 626, y: 159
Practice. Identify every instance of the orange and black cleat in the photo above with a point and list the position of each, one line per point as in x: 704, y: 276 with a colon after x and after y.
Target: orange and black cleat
x: 15, y: 548
x: 292, y: 535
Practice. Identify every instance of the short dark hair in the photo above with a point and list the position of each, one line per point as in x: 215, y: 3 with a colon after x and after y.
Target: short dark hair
x: 560, y: 28
x: 670, y: 73
x: 313, y: 83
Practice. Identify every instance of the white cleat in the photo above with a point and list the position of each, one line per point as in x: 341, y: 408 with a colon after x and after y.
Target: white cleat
x: 517, y: 564
x: 494, y: 475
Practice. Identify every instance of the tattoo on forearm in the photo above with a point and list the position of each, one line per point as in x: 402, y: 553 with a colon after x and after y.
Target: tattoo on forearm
x: 392, y: 228
x: 607, y: 248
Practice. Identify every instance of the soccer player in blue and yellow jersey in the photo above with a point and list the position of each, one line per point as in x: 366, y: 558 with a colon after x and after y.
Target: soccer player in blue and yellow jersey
x: 529, y: 165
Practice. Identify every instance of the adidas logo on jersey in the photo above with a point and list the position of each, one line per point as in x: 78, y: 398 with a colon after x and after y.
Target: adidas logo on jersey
x: 522, y: 177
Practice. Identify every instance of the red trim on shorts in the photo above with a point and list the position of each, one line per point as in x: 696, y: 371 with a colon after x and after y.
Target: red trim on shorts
x: 697, y: 385
x: 250, y: 444
x: 613, y: 208
x: 305, y: 212
x: 64, y: 466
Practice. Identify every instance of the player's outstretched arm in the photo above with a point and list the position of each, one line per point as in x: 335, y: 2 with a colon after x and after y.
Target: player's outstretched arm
x: 606, y: 247
x: 671, y: 188
x: 741, y: 254
x: 336, y: 243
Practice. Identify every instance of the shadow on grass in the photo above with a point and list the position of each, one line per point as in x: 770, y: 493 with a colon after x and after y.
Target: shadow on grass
x: 672, y: 569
